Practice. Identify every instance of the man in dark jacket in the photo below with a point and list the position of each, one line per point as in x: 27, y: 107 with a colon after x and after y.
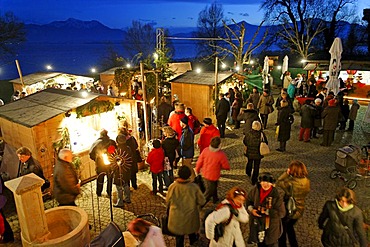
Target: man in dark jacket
x: 249, y: 115
x: 27, y: 164
x: 164, y: 110
x: 307, y: 121
x: 97, y: 150
x: 330, y: 116
x: 222, y: 109
x: 66, y: 183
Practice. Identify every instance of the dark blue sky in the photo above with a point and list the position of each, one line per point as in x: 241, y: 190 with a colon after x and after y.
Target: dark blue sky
x: 119, y: 14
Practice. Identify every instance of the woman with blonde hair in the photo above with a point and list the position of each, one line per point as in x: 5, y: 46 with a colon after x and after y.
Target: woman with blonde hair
x: 231, y: 212
x: 295, y: 183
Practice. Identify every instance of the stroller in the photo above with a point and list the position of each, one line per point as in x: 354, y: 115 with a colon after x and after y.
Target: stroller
x: 351, y: 164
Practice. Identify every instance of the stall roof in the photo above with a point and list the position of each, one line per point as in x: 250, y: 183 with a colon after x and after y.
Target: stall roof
x: 41, y: 76
x: 203, y: 78
x: 346, y: 65
x: 44, y: 105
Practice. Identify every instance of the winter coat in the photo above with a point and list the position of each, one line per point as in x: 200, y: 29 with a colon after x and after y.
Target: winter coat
x: 184, y: 200
x: 170, y: 145
x: 154, y: 238
x: 291, y: 91
x: 222, y: 109
x: 232, y: 233
x: 290, y: 103
x: 254, y: 98
x: 66, y: 187
x: 210, y: 163
x: 308, y: 116
x: 187, y: 143
x: 174, y: 122
x: 317, y: 119
x: 249, y: 116
x: 252, y: 140
x: 136, y: 157
x: 334, y: 233
x: 155, y: 160
x: 206, y: 135
x: 301, y: 188
x: 191, y: 121
x: 287, y: 81
x: 344, y: 109
x: 265, y: 104
x: 30, y: 166
x: 98, y: 148
x: 353, y: 112
x: 164, y: 110
x: 284, y: 124
x: 276, y: 213
x: 331, y: 116
x: 122, y: 172
x: 237, y: 104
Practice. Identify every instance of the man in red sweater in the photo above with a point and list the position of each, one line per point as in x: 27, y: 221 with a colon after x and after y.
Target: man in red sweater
x: 174, y: 119
x: 210, y: 163
x: 155, y: 160
x: 206, y: 134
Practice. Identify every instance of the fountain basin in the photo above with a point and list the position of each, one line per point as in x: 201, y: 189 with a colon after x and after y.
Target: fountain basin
x: 67, y: 225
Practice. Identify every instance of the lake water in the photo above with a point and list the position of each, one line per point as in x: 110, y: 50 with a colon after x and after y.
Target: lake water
x: 71, y: 58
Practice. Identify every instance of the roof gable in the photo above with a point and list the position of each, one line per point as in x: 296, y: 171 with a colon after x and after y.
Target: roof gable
x: 203, y: 78
x: 44, y: 105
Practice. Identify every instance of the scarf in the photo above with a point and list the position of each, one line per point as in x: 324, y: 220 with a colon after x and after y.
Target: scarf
x: 264, y: 193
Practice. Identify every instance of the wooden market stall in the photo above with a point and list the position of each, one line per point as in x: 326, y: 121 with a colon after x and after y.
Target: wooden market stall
x: 196, y: 90
x: 35, y: 82
x: 54, y: 117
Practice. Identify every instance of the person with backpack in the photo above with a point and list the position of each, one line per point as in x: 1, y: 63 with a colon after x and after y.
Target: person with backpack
x: 294, y: 183
x: 342, y: 221
x: 230, y: 212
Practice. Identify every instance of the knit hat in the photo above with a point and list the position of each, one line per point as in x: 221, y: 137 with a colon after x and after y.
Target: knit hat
x: 184, y: 172
x: 256, y: 125
x: 207, y: 121
x: 121, y: 139
x: 266, y: 177
x: 318, y: 100
x: 332, y: 102
x: 185, y: 120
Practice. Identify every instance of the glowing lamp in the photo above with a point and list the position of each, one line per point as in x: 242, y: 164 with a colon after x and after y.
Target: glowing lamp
x: 105, y: 159
x: 198, y: 70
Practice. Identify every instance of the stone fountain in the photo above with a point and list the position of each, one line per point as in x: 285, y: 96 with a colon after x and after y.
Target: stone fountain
x: 57, y: 227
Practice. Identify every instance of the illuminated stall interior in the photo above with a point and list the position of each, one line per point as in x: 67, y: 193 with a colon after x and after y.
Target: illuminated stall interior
x: 55, y: 118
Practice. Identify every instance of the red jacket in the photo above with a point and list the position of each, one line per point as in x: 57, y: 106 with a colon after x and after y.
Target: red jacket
x: 191, y: 120
x: 206, y: 135
x: 174, y: 122
x: 155, y: 160
x: 210, y: 163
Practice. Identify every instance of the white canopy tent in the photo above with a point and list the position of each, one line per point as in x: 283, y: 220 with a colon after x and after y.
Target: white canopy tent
x: 335, y: 65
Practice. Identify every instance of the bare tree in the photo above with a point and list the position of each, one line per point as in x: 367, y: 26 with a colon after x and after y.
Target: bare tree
x: 11, y: 32
x: 140, y: 39
x: 300, y: 22
x: 237, y: 46
x: 210, y: 28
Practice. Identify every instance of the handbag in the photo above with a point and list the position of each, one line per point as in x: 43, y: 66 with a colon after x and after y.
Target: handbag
x: 264, y: 148
x: 164, y: 224
x: 290, y: 204
x: 167, y: 165
x: 199, y: 181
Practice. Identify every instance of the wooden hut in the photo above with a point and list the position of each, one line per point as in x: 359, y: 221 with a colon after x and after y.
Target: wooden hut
x: 53, y: 118
x: 196, y: 90
x: 41, y: 80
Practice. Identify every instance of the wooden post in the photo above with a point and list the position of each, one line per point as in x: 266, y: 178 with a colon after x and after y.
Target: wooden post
x: 144, y: 99
x: 216, y: 82
x: 19, y: 72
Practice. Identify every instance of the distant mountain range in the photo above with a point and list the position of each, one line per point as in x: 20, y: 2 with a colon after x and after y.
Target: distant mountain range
x: 75, y: 46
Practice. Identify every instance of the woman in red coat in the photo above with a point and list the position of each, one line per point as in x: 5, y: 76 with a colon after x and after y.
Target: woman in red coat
x: 206, y: 134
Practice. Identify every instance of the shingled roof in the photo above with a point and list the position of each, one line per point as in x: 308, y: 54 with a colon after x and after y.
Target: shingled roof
x: 203, y: 78
x: 44, y: 105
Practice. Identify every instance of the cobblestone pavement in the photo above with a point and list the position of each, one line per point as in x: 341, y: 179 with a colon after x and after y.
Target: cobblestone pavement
x: 319, y: 160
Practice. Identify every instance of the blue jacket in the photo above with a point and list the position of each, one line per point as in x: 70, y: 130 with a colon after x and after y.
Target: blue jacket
x: 187, y: 143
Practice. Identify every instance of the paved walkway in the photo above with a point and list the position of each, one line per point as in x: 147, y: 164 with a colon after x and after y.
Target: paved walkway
x: 319, y: 160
